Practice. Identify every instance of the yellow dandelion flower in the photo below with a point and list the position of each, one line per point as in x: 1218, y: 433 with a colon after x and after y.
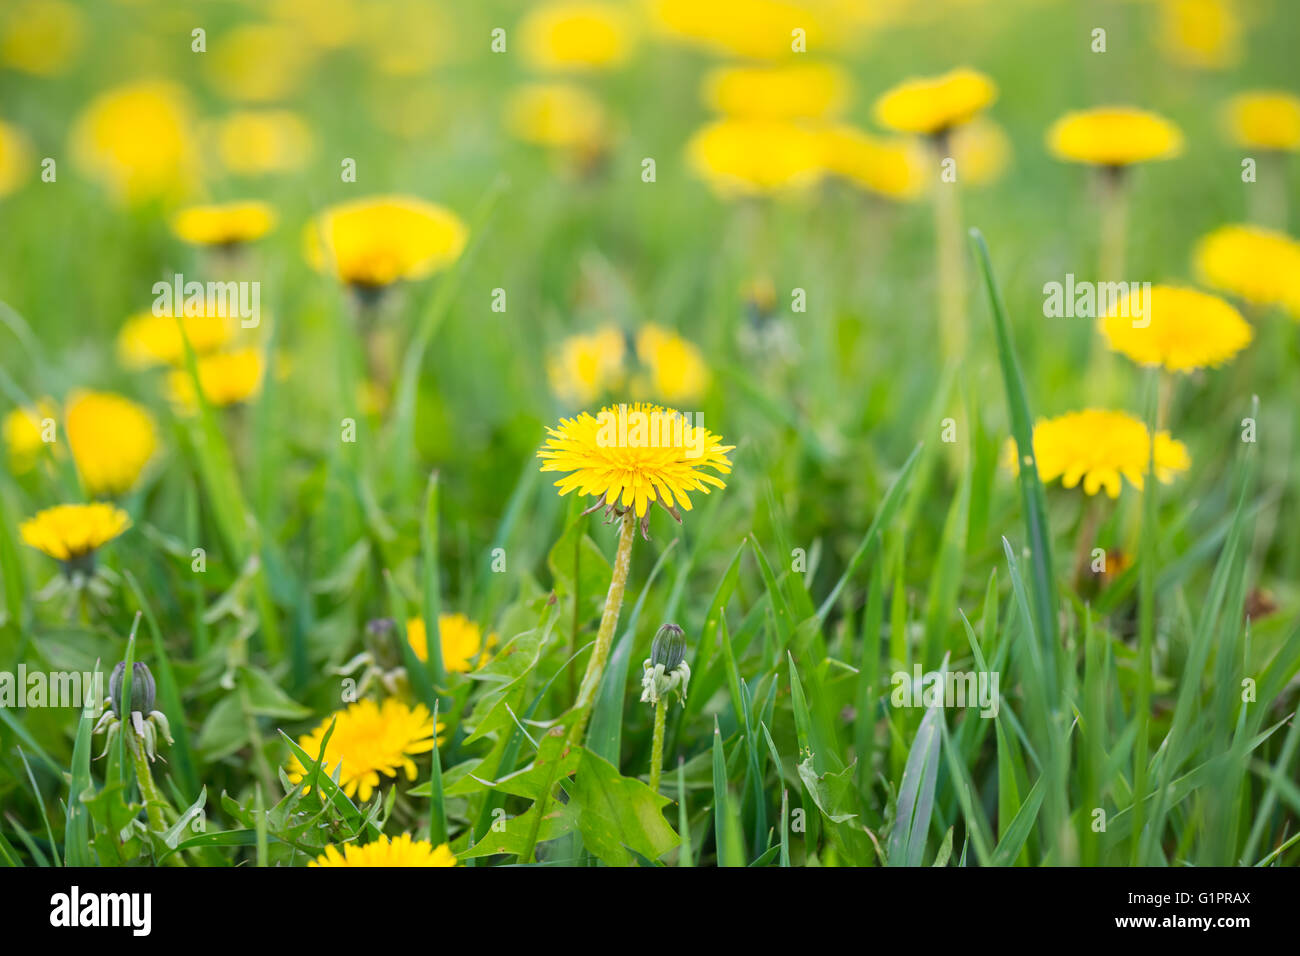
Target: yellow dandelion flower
x: 1204, y: 34
x: 1183, y: 330
x: 1114, y: 136
x: 402, y: 851
x: 111, y: 438
x: 227, y: 378
x: 1258, y: 265
x: 15, y: 158
x: 137, y: 141
x: 224, y: 224
x: 71, y: 533
x: 758, y: 29
x: 260, y: 142
x: 26, y: 431
x: 376, y: 241
x: 370, y: 741
x: 147, y: 340
x: 558, y: 115
x: 676, y: 371
x: 982, y: 151
x: 460, y: 637
x: 258, y: 62
x: 587, y: 366
x: 935, y: 104
x: 567, y: 35
x: 755, y: 157
x: 807, y: 91
x: 1264, y: 119
x: 629, y: 457
x: 41, y: 37
x: 1097, y: 447
x: 896, y: 168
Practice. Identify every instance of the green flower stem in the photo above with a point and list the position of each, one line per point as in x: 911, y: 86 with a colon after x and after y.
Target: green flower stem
x: 605, y: 636
x: 951, y: 264
x: 657, y: 748
x: 156, y: 805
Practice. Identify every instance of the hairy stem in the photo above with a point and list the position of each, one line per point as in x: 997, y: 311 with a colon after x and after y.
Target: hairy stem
x: 657, y: 747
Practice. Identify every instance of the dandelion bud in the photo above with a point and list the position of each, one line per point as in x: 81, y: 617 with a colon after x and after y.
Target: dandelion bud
x: 666, y: 668
x: 143, y: 689
x: 668, y: 647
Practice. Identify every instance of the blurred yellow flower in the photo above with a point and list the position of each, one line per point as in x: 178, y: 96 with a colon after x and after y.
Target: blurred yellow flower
x: 1255, y: 264
x: 258, y: 62
x: 71, y: 532
x: 41, y: 37
x: 147, y: 340
x: 753, y: 157
x: 557, y: 114
x: 16, y: 162
x: 369, y: 741
x: 895, y: 168
x: 760, y: 29
x: 226, y: 378
x: 1205, y: 34
x: 1264, y: 119
x: 1114, y: 136
x: 982, y: 151
x: 805, y: 91
x: 935, y: 104
x: 328, y: 24
x: 1184, y: 329
x: 402, y: 851
x: 1097, y: 447
x: 111, y: 438
x: 581, y: 35
x: 460, y: 637
x: 407, y: 37
x: 26, y: 430
x: 137, y: 141
x: 376, y: 241
x: 675, y: 369
x: 587, y: 366
x: 258, y: 142
x: 630, y: 457
x: 224, y: 224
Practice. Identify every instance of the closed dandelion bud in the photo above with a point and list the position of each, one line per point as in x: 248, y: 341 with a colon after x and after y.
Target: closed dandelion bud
x: 143, y: 689
x: 666, y: 669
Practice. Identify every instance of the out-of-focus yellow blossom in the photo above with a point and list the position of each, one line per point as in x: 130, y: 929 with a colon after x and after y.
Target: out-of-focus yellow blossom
x: 71, y: 532
x: 1258, y: 265
x: 982, y: 151
x: 461, y: 641
x: 258, y: 62
x: 936, y: 104
x: 755, y: 157
x: 407, y: 37
x: 1114, y: 136
x: 370, y: 741
x: 147, y: 340
x: 224, y: 224
x: 328, y: 24
x: 402, y: 851
x: 587, y: 366
x: 226, y: 378
x: 413, y: 110
x: 258, y: 142
x: 111, y: 438
x: 1098, y: 447
x: 558, y: 115
x: 675, y: 370
x: 896, y: 168
x: 1205, y: 34
x: 15, y: 158
x: 376, y: 241
x: 803, y: 91
x: 761, y: 29
x: 137, y: 141
x: 26, y: 430
x: 581, y: 35
x: 1264, y: 119
x: 1184, y: 329
x: 41, y: 37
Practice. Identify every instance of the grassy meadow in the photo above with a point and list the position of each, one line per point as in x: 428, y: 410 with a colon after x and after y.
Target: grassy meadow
x: 467, y: 224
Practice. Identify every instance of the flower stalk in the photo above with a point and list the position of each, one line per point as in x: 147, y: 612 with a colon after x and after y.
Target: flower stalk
x: 950, y: 264
x: 657, y: 743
